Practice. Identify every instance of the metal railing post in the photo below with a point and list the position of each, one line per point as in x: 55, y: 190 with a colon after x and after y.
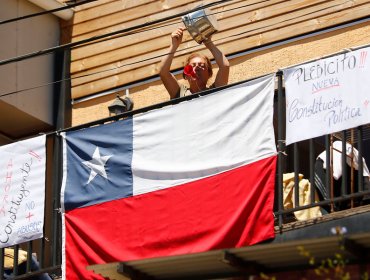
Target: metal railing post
x: 2, y: 260
x: 344, y: 164
x: 328, y: 176
x: 296, y: 174
x: 56, y: 200
x: 312, y: 170
x: 360, y: 162
x: 281, y: 146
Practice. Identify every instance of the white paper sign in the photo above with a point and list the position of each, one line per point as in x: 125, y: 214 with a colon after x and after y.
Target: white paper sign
x: 327, y: 95
x: 22, y: 191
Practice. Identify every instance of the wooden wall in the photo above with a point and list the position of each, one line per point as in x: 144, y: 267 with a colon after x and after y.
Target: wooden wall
x: 243, y: 25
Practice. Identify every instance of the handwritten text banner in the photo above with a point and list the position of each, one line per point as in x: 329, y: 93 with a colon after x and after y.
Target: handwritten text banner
x: 327, y: 95
x: 22, y: 191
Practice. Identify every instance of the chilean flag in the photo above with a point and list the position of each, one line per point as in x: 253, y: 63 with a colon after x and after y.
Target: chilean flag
x: 186, y: 178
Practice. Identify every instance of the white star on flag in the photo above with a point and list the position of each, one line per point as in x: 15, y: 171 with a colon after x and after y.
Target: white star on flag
x: 97, y: 165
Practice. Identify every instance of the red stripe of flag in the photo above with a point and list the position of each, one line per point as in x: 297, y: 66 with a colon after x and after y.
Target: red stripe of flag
x: 228, y: 210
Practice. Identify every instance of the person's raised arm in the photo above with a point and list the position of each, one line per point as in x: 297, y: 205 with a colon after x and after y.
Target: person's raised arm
x: 222, y: 76
x: 167, y: 77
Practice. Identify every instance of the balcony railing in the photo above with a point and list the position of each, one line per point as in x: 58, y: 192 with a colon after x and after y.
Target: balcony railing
x: 329, y: 190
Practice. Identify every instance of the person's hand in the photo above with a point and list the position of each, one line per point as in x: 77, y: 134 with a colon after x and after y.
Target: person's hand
x: 177, y: 37
x: 208, y: 41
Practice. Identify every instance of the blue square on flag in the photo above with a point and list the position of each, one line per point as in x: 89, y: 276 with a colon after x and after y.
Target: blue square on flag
x: 99, y: 165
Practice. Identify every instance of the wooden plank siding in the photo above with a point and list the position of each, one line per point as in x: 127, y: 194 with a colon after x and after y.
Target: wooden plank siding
x: 243, y: 25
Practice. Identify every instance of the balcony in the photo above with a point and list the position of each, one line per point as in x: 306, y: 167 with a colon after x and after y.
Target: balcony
x: 317, y: 214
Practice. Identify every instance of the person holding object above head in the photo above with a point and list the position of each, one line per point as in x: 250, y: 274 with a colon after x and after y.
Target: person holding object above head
x: 197, y: 71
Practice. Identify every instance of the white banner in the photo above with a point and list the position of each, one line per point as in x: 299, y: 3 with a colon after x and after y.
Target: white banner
x: 22, y: 191
x: 327, y: 95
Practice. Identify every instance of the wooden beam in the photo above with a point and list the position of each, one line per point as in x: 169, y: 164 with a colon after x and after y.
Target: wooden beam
x: 259, y: 24
x: 143, y: 50
x: 106, y: 26
x: 121, y: 17
x: 262, y: 35
x: 355, y: 249
x: 132, y: 273
x: 105, y: 8
x: 152, y: 37
x: 246, y: 267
